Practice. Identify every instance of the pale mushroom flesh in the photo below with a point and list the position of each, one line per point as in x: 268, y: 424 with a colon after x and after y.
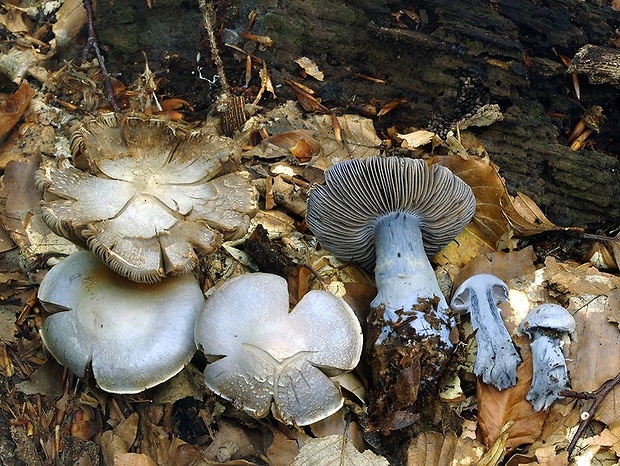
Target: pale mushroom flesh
x: 143, y: 195
x: 130, y: 336
x: 265, y: 357
x: 497, y: 358
x: 546, y: 326
x: 389, y: 215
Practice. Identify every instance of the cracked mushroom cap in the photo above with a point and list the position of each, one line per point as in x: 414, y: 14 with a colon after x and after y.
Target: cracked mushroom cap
x: 267, y: 357
x: 144, y: 195
x: 342, y: 213
x: 131, y: 336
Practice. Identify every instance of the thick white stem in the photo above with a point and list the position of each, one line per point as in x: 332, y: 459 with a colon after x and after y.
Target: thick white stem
x: 404, y: 275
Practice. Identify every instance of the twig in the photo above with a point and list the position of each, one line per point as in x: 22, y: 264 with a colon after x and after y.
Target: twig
x: 93, y: 44
x: 209, y: 16
x: 598, y: 395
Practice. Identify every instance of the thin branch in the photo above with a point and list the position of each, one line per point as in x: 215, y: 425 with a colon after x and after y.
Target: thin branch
x: 599, y: 396
x: 93, y: 44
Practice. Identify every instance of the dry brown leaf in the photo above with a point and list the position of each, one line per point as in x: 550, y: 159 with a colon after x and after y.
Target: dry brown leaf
x: 12, y: 109
x: 435, y: 449
x: 286, y: 143
x: 615, y: 248
x: 504, y: 265
x: 16, y: 21
x: 119, y: 440
x: 232, y: 442
x: 311, y: 68
x: 306, y: 99
x: 336, y: 450
x: 70, y: 19
x: 391, y: 105
x: 614, y: 307
x: 184, y: 454
x: 525, y: 216
x: 134, y: 459
x: 488, y: 187
x: 496, y: 408
x: 359, y: 136
x: 285, y: 445
x: 22, y: 214
x: 419, y: 138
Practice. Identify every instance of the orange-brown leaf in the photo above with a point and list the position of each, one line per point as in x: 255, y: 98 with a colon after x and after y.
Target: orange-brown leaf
x: 12, y: 108
x: 488, y: 187
x: 496, y: 408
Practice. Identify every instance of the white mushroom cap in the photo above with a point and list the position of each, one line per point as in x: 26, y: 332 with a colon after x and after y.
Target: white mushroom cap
x: 548, y: 316
x: 342, y: 213
x: 133, y: 336
x: 271, y: 357
x: 143, y: 195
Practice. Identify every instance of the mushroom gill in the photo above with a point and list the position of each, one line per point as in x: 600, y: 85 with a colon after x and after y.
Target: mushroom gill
x: 145, y: 196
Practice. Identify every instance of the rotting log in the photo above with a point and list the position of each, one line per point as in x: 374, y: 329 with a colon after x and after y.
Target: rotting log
x: 444, y: 57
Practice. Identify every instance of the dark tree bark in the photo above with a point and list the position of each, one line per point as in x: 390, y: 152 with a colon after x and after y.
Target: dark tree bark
x: 452, y: 58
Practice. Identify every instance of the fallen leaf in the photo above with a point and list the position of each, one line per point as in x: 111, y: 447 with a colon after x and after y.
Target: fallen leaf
x: 525, y: 216
x: 12, y: 109
x: 119, y: 440
x: 391, y: 105
x: 70, y: 19
x: 419, y: 138
x: 311, y: 68
x: 488, y: 187
x: 496, y: 408
x: 435, y: 449
x: 335, y: 450
x: 133, y: 459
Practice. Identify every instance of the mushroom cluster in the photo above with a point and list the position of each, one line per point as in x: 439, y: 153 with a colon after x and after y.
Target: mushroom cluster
x: 267, y: 357
x: 391, y: 214
x: 143, y: 195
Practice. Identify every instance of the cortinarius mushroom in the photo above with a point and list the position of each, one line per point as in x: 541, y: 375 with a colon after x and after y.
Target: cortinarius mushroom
x: 497, y: 358
x: 546, y: 325
x: 391, y: 214
x: 267, y: 357
x: 142, y: 195
x: 132, y: 336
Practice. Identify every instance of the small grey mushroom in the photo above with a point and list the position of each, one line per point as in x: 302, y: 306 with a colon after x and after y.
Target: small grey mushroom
x: 147, y: 197
x: 390, y: 215
x: 264, y: 356
x: 546, y: 325
x: 131, y: 336
x: 497, y: 358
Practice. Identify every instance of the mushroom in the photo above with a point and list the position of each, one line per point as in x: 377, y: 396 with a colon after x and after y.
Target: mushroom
x: 132, y: 336
x: 546, y: 325
x: 265, y: 356
x: 391, y: 214
x: 497, y: 358
x: 143, y: 197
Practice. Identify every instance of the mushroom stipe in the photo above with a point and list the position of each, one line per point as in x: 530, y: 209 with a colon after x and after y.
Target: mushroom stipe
x: 391, y: 214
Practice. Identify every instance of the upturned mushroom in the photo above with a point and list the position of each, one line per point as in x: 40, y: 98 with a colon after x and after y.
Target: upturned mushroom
x: 143, y: 194
x: 392, y: 214
x: 131, y: 336
x: 267, y: 357
x: 497, y: 358
x: 546, y: 325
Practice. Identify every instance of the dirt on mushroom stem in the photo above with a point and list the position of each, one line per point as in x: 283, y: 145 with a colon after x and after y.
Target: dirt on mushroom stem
x: 406, y: 367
